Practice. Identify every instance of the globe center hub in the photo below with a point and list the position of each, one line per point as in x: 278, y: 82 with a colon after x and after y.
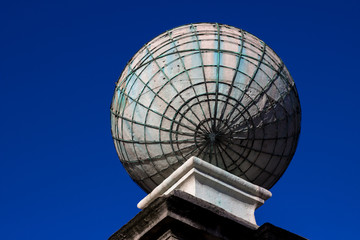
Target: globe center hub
x: 213, y: 137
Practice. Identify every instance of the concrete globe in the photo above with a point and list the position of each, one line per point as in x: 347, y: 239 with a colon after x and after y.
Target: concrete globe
x: 207, y: 90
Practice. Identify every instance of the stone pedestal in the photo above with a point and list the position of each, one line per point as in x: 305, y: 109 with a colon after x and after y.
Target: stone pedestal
x: 181, y: 216
x: 201, y: 201
x: 215, y: 186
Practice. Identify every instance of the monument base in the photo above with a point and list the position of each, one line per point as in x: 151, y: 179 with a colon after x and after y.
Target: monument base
x: 181, y: 216
x: 215, y: 186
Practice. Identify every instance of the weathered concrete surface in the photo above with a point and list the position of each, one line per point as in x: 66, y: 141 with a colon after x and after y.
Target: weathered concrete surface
x: 181, y: 216
x: 214, y: 185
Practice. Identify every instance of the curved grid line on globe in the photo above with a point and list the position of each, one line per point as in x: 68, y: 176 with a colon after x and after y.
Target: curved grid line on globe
x: 206, y: 90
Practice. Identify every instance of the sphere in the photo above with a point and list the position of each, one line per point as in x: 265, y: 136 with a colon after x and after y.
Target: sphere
x: 207, y: 90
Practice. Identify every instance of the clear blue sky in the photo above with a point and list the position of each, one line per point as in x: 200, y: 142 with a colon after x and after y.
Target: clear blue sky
x: 60, y: 177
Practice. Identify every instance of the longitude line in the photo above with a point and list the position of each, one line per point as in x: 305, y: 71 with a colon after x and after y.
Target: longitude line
x: 156, y: 94
x: 169, y: 81
x: 203, y: 68
x: 187, y: 73
x: 217, y: 79
x: 251, y: 80
x: 235, y: 73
